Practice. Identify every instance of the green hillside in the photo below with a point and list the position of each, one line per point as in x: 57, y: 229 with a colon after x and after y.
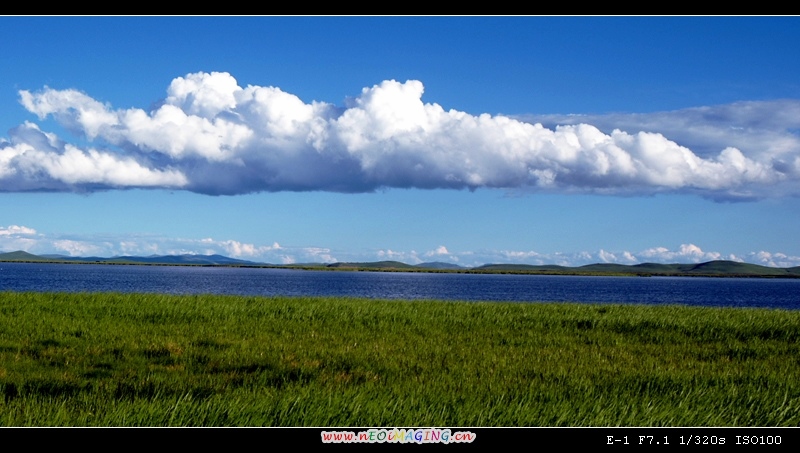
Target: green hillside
x: 21, y: 256
x: 373, y: 265
x: 732, y: 267
x: 522, y: 268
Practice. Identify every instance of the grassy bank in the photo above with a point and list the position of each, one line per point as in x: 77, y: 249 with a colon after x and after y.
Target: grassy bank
x: 157, y: 360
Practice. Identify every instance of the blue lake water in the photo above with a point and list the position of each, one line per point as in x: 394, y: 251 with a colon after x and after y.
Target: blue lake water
x: 728, y: 292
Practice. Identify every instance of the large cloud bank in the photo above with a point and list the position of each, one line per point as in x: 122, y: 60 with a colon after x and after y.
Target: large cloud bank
x: 210, y: 135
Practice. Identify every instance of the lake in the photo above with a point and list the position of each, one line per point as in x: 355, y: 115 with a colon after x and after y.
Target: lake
x: 722, y: 292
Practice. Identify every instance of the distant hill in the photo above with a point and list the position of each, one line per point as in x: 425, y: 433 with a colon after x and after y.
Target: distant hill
x: 708, y: 268
x: 373, y: 265
x: 523, y: 267
x: 438, y: 265
x: 733, y: 267
x: 20, y: 256
x: 395, y: 265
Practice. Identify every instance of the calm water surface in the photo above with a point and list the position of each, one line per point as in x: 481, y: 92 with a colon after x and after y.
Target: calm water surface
x: 734, y: 292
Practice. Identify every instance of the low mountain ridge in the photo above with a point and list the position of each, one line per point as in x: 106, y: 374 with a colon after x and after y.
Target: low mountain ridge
x: 154, y: 259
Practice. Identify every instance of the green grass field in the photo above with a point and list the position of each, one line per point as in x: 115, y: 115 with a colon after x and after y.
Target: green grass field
x: 158, y: 360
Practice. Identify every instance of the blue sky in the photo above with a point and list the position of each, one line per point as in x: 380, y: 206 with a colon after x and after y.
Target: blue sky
x: 461, y: 139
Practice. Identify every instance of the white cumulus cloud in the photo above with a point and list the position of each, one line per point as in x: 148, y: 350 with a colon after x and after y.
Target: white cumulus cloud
x: 34, y: 160
x: 212, y: 135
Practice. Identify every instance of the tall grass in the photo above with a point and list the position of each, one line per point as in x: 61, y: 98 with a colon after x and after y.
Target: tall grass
x: 158, y: 360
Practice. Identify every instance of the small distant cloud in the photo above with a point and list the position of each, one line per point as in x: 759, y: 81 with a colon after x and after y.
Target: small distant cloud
x: 686, y: 252
x: 441, y: 250
x: 405, y: 257
x: 78, y: 248
x: 238, y: 249
x: 16, y: 230
x: 774, y: 259
x: 17, y: 237
x: 624, y: 257
x: 315, y: 254
x: 606, y: 257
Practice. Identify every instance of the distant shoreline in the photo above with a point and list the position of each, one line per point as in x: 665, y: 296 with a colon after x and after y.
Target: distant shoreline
x: 721, y: 269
